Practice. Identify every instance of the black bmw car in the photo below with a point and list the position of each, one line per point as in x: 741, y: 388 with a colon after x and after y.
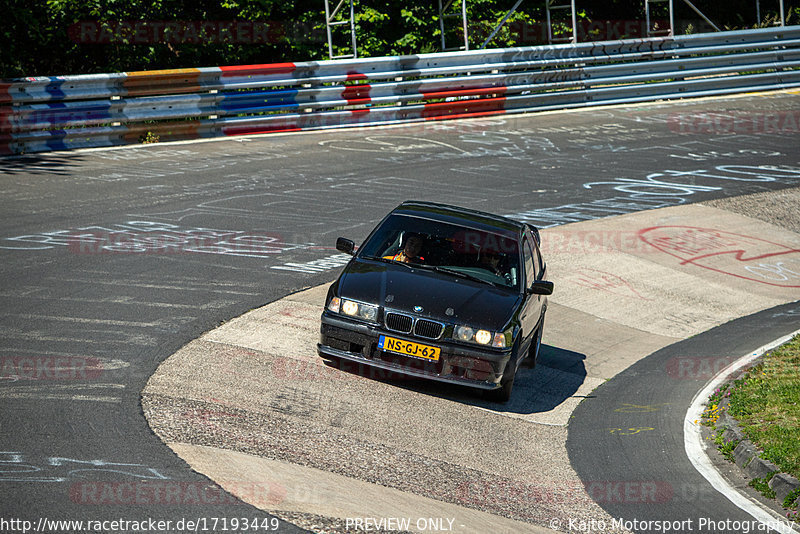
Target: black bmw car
x: 442, y: 293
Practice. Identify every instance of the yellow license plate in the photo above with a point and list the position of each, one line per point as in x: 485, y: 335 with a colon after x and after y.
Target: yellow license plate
x: 409, y: 348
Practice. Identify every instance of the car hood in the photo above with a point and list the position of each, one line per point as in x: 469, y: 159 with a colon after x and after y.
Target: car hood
x: 401, y: 288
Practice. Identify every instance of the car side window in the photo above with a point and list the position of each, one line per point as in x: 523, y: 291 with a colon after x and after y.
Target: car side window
x: 530, y: 269
x: 538, y: 263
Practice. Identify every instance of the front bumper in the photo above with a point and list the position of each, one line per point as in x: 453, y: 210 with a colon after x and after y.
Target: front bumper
x: 457, y: 364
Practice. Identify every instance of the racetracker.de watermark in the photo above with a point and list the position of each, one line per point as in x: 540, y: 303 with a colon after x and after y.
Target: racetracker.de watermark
x: 173, y: 493
x: 177, y: 242
x: 736, y: 122
x: 49, y: 368
x: 697, y: 367
x: 141, y: 525
x: 600, y: 491
x: 177, y: 32
x: 587, y: 30
x: 174, y: 32
x: 293, y: 370
x: 593, y: 241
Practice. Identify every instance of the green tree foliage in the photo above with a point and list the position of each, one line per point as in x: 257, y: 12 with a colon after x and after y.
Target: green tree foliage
x: 50, y: 37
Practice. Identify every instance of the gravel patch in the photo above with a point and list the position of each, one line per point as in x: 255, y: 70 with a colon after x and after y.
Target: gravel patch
x: 781, y: 208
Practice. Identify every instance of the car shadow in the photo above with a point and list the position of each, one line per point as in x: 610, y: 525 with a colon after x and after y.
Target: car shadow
x: 557, y: 376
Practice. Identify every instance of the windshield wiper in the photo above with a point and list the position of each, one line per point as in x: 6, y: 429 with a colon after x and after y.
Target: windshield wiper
x: 463, y: 275
x: 432, y: 268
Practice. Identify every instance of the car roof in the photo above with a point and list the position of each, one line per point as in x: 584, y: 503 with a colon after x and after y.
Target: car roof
x: 457, y: 215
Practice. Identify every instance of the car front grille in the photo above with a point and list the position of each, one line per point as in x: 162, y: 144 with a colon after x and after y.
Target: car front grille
x: 405, y: 324
x: 399, y: 323
x: 429, y: 329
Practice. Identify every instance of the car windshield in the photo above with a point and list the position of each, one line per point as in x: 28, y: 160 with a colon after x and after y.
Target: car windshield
x: 457, y: 250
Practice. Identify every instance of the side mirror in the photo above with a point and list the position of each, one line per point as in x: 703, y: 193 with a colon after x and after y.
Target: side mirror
x: 541, y: 287
x: 345, y: 245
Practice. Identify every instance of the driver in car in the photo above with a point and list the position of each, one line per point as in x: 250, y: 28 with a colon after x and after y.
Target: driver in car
x: 411, y: 250
x: 491, y: 262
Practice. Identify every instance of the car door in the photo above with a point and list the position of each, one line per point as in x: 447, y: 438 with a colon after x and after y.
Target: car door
x: 540, y: 273
x: 532, y: 305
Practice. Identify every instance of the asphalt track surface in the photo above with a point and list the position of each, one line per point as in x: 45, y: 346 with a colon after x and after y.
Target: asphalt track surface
x: 114, y: 259
x: 648, y: 402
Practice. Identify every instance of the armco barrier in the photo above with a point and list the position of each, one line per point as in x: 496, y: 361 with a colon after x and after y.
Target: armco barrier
x: 64, y: 112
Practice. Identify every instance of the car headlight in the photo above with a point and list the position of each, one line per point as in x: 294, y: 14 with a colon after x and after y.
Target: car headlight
x: 464, y: 333
x: 481, y: 337
x: 352, y: 308
x: 349, y: 308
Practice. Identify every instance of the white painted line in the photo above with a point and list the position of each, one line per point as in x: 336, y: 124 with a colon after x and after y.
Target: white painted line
x: 695, y: 447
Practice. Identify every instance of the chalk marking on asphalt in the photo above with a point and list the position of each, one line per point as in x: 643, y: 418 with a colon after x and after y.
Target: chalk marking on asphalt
x: 82, y: 392
x: 108, y: 322
x: 161, y: 286
x: 640, y: 408
x: 695, y: 449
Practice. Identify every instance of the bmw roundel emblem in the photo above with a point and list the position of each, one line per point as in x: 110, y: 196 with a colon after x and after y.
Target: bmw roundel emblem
x: 418, y: 309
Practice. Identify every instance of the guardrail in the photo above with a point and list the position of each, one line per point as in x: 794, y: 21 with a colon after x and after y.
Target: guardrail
x: 65, y: 112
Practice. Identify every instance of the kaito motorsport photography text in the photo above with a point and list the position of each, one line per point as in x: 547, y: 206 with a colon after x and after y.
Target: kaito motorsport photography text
x: 701, y: 524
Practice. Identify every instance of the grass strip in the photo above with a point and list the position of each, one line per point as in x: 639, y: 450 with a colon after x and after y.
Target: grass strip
x: 766, y: 403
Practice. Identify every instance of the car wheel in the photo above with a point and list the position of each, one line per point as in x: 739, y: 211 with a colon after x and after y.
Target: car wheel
x: 536, y: 344
x: 503, y: 393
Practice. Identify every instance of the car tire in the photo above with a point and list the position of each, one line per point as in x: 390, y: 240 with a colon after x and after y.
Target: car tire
x: 536, y: 345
